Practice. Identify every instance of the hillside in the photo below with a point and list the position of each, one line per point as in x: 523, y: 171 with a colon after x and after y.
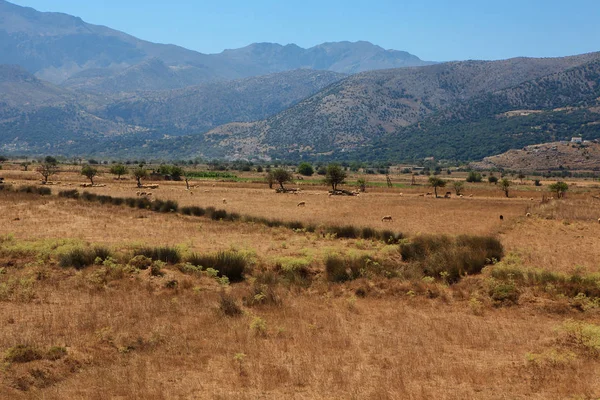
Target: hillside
x: 61, y: 48
x: 200, y: 108
x: 546, y: 157
x: 38, y: 117
x: 397, y: 113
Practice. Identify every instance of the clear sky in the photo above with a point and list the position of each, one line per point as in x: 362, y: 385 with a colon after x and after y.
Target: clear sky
x: 437, y: 30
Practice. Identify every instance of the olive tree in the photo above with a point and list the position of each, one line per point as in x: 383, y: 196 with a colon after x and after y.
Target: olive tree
x: 89, y: 172
x: 140, y: 173
x: 436, y: 182
x: 560, y: 188
x: 505, y: 185
x: 281, y: 176
x: 334, y: 176
x: 47, y: 168
x: 118, y: 170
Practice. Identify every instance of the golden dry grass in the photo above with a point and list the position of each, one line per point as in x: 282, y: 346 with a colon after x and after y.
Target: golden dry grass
x: 135, y: 338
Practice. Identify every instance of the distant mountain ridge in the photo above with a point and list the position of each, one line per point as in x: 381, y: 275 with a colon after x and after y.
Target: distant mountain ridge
x: 61, y: 48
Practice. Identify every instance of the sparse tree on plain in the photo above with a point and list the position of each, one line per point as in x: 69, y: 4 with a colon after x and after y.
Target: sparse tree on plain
x: 458, y: 187
x: 505, y: 185
x: 118, y: 170
x: 362, y: 184
x: 281, y: 176
x: 89, y: 172
x: 140, y: 173
x: 436, y: 182
x: 560, y: 188
x: 335, y: 175
x: 47, y: 168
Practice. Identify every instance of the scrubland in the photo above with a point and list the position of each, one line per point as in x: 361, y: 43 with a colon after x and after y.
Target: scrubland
x: 110, y: 301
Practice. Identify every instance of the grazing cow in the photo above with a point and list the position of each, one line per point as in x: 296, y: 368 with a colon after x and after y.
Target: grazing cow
x: 386, y: 218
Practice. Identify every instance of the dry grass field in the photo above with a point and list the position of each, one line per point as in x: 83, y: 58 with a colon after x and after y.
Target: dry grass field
x: 526, y: 327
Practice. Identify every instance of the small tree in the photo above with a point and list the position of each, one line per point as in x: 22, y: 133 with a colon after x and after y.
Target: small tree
x: 521, y: 176
x: 305, y: 169
x: 560, y: 188
x: 493, y: 179
x: 176, y: 172
x: 89, y: 172
x: 436, y: 182
x: 140, y: 173
x: 270, y: 179
x: 118, y: 170
x: 458, y: 187
x: 362, y: 184
x: 281, y: 176
x: 47, y: 169
x: 25, y: 165
x: 335, y: 175
x: 505, y: 185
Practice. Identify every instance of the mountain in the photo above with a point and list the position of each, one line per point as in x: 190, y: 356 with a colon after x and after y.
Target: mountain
x: 203, y: 107
x: 60, y: 48
x: 38, y: 117
x: 377, y: 112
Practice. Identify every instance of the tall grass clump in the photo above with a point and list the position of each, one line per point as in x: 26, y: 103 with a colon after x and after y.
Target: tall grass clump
x: 341, y: 269
x: 193, y: 210
x: 166, y: 254
x: 164, y: 206
x: 444, y: 256
x: 79, y: 258
x: 346, y: 231
x: 228, y: 263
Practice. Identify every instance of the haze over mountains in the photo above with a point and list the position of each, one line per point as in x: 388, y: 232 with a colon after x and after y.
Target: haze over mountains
x: 72, y: 88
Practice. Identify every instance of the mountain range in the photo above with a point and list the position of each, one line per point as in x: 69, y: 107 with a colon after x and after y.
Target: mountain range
x: 72, y: 88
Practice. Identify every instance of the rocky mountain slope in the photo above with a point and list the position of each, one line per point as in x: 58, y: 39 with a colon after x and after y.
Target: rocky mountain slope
x: 547, y: 157
x: 403, y: 112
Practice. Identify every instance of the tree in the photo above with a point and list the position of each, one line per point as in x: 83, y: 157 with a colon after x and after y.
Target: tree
x: 118, y: 170
x: 560, y: 188
x: 305, y: 169
x: 50, y: 160
x: 436, y: 182
x: 25, y: 165
x: 458, y: 187
x: 270, y: 179
x: 493, y: 179
x: 521, y: 176
x: 505, y: 185
x: 335, y: 175
x: 89, y: 172
x: 176, y: 172
x: 140, y: 173
x: 282, y: 176
x: 47, y: 169
x: 474, y: 177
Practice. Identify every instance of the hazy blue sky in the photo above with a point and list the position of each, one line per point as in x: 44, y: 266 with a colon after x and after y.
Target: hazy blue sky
x: 431, y: 29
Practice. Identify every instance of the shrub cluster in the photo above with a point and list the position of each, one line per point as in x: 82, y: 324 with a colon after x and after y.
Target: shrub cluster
x: 451, y: 257
x: 228, y: 263
x: 166, y: 254
x: 80, y: 258
x: 30, y: 189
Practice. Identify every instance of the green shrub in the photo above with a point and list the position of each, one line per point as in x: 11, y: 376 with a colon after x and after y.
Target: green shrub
x: 228, y: 263
x: 346, y: 231
x: 504, y: 293
x: 42, y: 191
x: 341, y: 269
x: 140, y: 262
x: 166, y: 254
x: 440, y: 255
x: 87, y: 196
x: 164, y: 206
x: 22, y: 354
x: 193, y: 210
x: 156, y: 268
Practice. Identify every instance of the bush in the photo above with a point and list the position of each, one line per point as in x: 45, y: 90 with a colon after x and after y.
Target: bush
x: 341, y: 269
x: 442, y: 256
x: 56, y: 353
x: 346, y: 231
x: 228, y: 306
x: 228, y: 263
x: 193, y: 210
x: 504, y: 293
x: 69, y: 194
x: 22, y: 354
x: 474, y: 177
x: 164, y: 206
x: 166, y: 254
x: 42, y: 191
x: 80, y: 258
x: 140, y: 262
